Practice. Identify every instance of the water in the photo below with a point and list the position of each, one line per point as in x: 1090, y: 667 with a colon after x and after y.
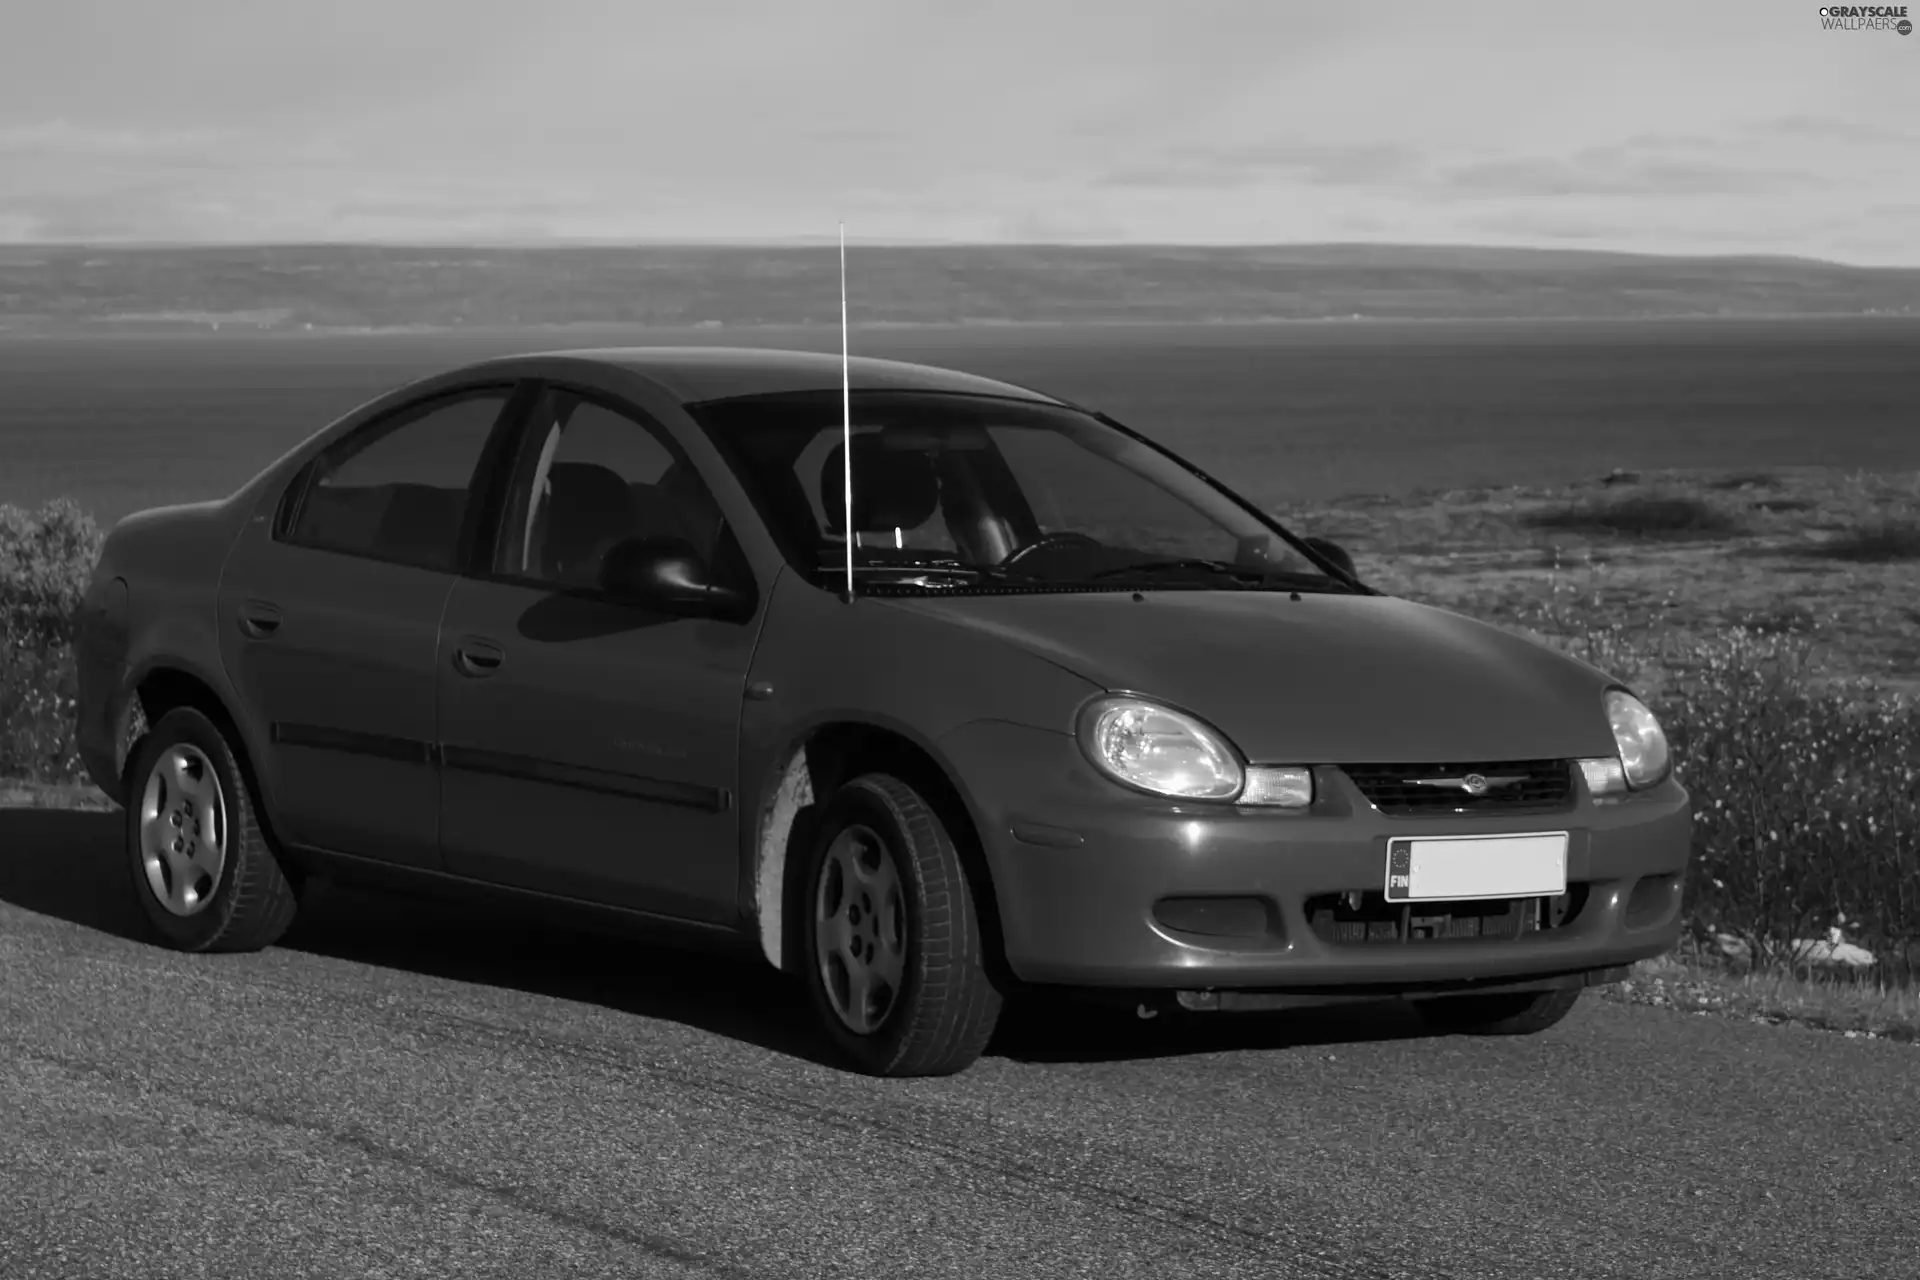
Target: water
x: 1287, y: 413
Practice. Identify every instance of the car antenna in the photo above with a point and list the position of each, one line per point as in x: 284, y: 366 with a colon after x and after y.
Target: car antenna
x: 846, y: 417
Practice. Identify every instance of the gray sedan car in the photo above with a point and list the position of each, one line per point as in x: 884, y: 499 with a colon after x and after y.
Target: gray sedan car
x: 577, y: 628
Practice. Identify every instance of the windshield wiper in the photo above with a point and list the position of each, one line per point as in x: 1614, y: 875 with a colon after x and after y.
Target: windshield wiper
x: 1151, y: 568
x: 932, y: 565
x: 1275, y: 579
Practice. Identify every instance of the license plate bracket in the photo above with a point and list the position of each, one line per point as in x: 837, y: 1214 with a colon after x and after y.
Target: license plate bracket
x: 1530, y: 864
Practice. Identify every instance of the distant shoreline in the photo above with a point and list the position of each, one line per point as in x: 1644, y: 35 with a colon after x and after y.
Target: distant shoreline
x: 105, y: 329
x: 374, y: 291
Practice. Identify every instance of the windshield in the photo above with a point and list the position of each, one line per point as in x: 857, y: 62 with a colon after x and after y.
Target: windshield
x: 962, y: 491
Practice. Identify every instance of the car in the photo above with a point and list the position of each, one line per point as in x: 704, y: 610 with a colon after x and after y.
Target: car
x: 1064, y: 715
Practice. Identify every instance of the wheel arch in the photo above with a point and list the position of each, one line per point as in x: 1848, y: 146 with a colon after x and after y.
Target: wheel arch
x: 808, y: 770
x: 163, y: 685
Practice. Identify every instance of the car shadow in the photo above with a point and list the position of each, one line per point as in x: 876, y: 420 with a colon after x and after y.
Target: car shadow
x: 1056, y: 1030
x: 67, y: 864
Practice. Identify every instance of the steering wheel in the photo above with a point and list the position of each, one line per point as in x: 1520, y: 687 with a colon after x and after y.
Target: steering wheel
x: 1052, y: 541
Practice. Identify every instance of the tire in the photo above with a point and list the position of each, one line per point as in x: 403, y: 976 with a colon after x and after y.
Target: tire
x: 1511, y: 1013
x: 183, y: 777
x: 936, y: 1017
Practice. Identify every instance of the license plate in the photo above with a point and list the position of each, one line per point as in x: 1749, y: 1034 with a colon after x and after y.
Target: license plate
x: 1533, y: 865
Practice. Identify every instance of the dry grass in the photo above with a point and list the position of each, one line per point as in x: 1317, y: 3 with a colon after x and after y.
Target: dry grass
x: 1653, y: 515
x: 1874, y: 1010
x: 1542, y: 560
x: 1742, y: 480
x: 53, y: 795
x: 1883, y: 542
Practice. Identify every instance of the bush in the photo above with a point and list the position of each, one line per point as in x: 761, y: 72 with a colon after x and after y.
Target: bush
x: 1745, y: 480
x: 45, y: 559
x: 37, y: 697
x: 1806, y: 794
x: 1642, y: 516
x: 1886, y: 542
x: 1807, y: 801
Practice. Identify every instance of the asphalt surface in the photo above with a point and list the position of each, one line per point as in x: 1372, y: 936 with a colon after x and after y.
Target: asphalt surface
x: 411, y: 1090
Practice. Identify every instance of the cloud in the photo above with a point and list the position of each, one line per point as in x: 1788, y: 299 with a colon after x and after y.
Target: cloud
x: 1327, y: 164
x: 1645, y: 165
x: 1660, y: 140
x: 135, y: 211
x: 1831, y: 129
x: 63, y: 139
x: 1072, y: 224
x: 1241, y: 120
x: 440, y: 209
x: 1615, y: 171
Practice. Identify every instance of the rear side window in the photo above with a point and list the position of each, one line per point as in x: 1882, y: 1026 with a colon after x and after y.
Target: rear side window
x: 398, y: 490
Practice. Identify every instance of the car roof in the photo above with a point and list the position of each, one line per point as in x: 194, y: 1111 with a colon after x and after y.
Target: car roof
x: 694, y: 374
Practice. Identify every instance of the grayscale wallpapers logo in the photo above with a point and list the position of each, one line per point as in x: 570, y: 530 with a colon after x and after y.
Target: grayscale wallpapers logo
x: 1866, y: 17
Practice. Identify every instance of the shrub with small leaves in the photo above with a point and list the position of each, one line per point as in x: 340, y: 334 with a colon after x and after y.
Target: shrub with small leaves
x: 38, y: 691
x: 1806, y: 791
x: 1649, y: 515
x: 1807, y: 801
x: 46, y: 557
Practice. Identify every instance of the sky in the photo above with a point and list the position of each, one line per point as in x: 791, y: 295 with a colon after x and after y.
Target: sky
x: 1671, y: 126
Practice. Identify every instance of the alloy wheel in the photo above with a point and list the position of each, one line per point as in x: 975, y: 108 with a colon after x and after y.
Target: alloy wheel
x: 183, y: 835
x: 860, y: 928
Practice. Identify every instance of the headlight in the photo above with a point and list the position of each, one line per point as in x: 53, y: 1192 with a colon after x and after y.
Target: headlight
x: 1153, y: 748
x: 1644, y: 757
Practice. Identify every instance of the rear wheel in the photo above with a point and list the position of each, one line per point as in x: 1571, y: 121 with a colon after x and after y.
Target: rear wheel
x: 895, y: 965
x: 202, y: 871
x: 1509, y: 1013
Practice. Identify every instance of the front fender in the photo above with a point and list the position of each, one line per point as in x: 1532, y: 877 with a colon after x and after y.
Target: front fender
x: 825, y: 664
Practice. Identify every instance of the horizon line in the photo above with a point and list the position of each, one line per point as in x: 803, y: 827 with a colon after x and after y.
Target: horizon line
x: 828, y: 241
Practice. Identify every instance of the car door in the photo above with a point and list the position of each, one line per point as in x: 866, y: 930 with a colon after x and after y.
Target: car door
x: 330, y: 611
x: 590, y: 744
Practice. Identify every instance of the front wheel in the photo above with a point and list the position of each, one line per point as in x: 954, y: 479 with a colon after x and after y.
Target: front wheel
x: 895, y: 963
x: 202, y: 871
x: 1508, y: 1013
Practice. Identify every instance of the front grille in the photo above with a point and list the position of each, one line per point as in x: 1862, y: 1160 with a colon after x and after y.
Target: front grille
x: 1372, y: 921
x: 1515, y: 786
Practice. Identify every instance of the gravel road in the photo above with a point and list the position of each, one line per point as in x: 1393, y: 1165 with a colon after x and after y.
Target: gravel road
x: 411, y: 1090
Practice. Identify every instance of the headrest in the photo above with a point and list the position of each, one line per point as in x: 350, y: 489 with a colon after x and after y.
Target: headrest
x: 587, y: 488
x: 587, y: 505
x: 892, y: 488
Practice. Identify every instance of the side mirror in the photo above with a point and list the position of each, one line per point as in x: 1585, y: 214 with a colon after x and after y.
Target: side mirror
x: 666, y: 574
x: 1334, y: 552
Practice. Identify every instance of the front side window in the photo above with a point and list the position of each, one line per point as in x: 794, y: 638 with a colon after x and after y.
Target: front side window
x: 398, y: 490
x: 976, y: 490
x: 590, y: 477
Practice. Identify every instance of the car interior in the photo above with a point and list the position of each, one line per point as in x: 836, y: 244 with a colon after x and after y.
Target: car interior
x: 414, y: 523
x: 901, y: 489
x: 588, y: 508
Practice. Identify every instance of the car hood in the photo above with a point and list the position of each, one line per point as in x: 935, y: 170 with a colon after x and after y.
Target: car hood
x: 1314, y: 679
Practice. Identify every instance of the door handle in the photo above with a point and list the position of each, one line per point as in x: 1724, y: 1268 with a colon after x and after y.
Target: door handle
x: 477, y: 658
x: 259, y: 619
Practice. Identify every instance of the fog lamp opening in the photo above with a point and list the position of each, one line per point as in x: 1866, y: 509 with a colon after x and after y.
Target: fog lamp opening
x: 1278, y: 787
x: 1605, y: 776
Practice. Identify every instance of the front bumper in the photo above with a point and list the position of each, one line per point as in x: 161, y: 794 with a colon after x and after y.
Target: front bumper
x: 1098, y: 887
